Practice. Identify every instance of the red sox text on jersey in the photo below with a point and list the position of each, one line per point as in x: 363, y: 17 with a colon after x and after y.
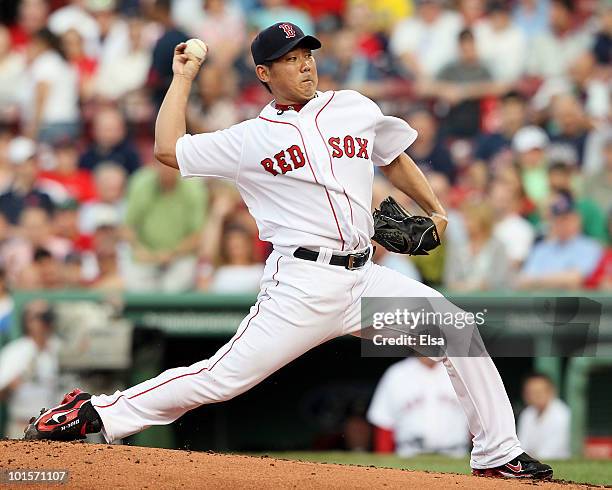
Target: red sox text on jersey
x: 351, y: 147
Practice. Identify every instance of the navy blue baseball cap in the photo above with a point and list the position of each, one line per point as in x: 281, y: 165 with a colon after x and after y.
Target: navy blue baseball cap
x: 278, y: 39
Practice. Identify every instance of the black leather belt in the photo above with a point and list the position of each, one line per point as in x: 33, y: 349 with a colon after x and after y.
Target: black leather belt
x: 350, y: 261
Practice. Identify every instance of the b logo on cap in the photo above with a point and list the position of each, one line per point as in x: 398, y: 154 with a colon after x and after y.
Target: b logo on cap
x: 288, y: 28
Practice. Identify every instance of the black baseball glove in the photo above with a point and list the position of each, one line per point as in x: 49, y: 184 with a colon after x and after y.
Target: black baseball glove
x: 399, y: 232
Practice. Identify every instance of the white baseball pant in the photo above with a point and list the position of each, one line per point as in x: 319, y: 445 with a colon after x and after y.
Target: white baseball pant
x: 301, y: 305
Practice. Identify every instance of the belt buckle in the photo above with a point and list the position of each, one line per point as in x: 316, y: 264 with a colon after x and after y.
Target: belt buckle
x: 352, y: 258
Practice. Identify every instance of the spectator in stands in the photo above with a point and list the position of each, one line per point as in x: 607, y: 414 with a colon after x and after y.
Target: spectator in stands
x: 165, y: 215
x: 237, y: 270
x: 273, y: 11
x: 34, y: 232
x: 110, y: 181
x: 490, y: 148
x: 414, y: 410
x: 45, y: 272
x: 428, y: 150
x: 426, y: 42
x: 565, y: 258
x: 570, y: 126
x: 74, y: 16
x: 121, y: 75
x: 602, y: 46
x: 531, y: 16
x: 23, y: 191
x: 599, y: 186
x: 214, y: 105
x: 481, y: 263
x: 6, y: 303
x: 431, y: 267
x: 31, y: 18
x: 462, y: 84
x: 110, y: 142
x: 561, y: 178
x: 590, y: 87
x: 29, y: 368
x: 501, y: 44
x: 49, y: 105
x: 160, y: 75
x: 6, y: 167
x: 224, y: 29
x: 602, y: 276
x: 345, y: 65
x: 103, y: 264
x: 544, y: 425
x: 86, y: 66
x: 113, y: 30
x: 65, y: 225
x: 529, y: 144
x: 510, y: 229
x: 12, y: 72
x: 552, y: 51
x: 70, y: 181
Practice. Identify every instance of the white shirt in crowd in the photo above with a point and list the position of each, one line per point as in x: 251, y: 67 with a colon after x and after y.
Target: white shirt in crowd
x: 517, y: 235
x: 61, y: 105
x: 546, y: 435
x: 434, y: 45
x: 77, y: 18
x: 237, y: 279
x: 12, y: 76
x: 38, y: 372
x: 550, y: 56
x: 418, y: 404
x: 502, y: 51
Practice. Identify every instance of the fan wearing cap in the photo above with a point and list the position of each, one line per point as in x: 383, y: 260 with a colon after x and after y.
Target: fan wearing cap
x: 304, y: 168
x: 565, y: 258
x: 23, y: 191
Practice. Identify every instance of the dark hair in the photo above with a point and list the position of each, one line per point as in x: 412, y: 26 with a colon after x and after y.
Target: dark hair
x: 538, y: 375
x: 41, y: 254
x: 557, y: 165
x: 566, y: 4
x: 466, y: 35
x: 51, y: 40
x: 512, y: 96
x: 165, y: 5
x: 47, y: 317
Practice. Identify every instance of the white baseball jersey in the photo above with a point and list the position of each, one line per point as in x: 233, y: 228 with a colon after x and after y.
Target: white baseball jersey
x: 305, y: 176
x: 307, y: 179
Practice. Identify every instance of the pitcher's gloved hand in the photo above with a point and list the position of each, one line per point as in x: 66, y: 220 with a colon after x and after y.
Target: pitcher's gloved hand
x: 400, y: 232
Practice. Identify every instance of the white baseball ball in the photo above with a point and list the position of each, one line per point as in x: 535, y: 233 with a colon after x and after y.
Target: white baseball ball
x: 197, y: 47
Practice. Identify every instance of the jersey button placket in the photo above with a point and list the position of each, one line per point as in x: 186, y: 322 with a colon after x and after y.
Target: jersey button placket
x: 321, y: 162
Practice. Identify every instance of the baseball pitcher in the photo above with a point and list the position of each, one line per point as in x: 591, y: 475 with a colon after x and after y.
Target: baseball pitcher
x: 304, y: 168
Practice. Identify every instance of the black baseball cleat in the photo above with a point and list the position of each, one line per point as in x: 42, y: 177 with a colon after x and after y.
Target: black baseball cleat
x: 72, y: 419
x: 523, y: 466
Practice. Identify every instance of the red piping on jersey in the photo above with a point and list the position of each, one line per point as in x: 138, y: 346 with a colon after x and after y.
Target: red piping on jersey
x: 313, y: 174
x: 204, y: 368
x: 331, y: 164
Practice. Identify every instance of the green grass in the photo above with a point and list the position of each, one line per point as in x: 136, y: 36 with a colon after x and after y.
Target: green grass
x: 598, y: 472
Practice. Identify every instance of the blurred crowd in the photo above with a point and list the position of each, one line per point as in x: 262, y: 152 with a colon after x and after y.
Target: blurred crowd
x: 511, y: 100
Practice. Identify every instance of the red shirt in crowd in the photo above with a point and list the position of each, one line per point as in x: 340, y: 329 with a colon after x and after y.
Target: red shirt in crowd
x: 80, y: 184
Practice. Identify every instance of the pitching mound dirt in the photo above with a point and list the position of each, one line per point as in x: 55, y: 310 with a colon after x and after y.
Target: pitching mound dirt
x: 104, y: 466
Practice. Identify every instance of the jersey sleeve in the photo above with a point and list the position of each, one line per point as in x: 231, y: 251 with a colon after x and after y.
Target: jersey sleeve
x: 215, y: 154
x: 392, y: 136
